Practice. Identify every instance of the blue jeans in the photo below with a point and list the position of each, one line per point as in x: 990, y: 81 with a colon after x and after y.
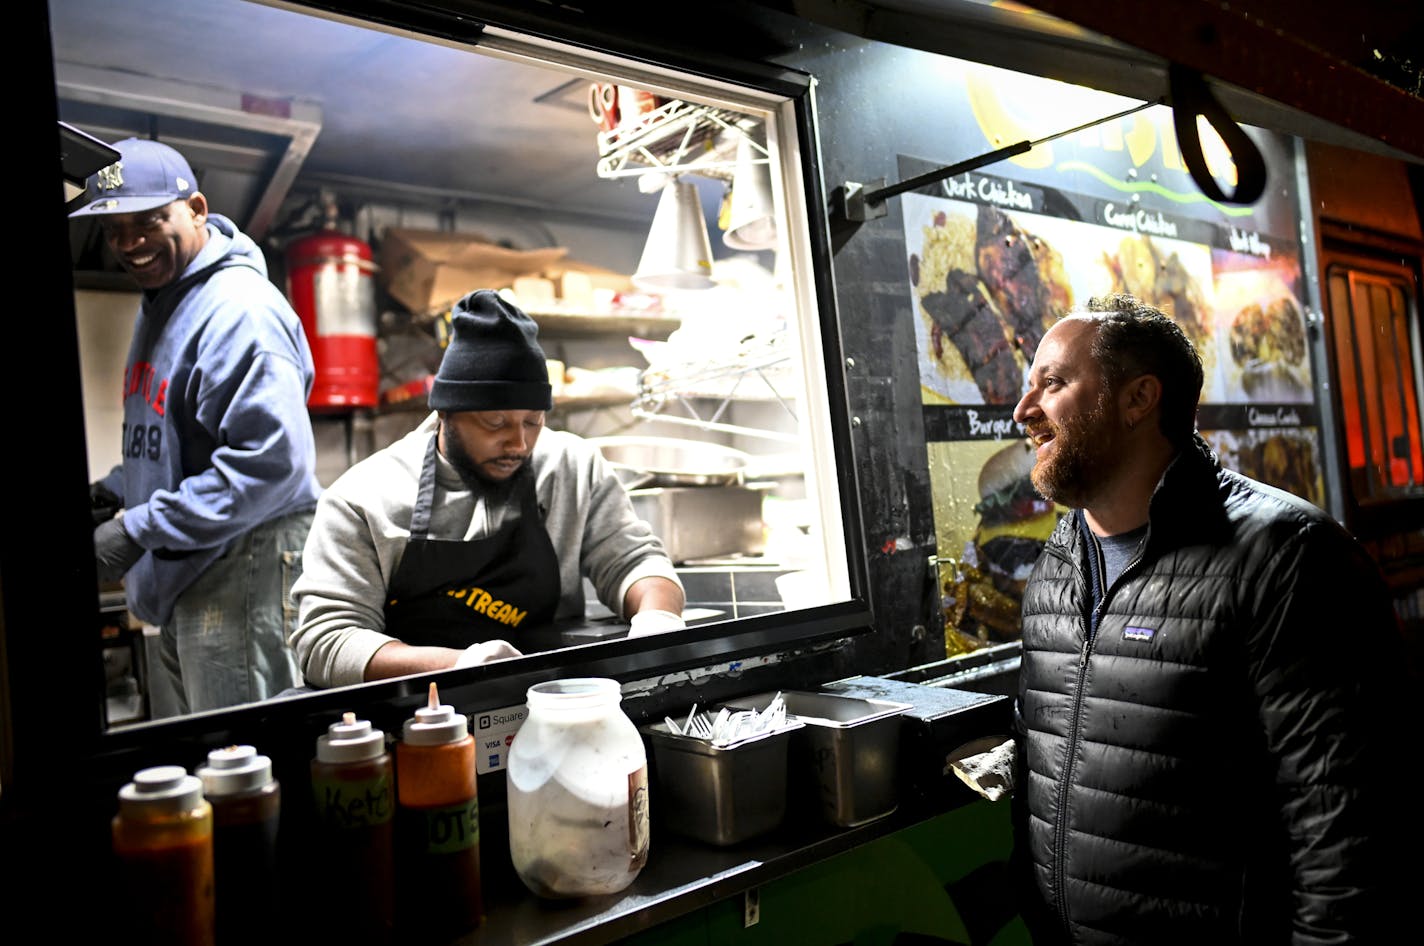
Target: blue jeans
x: 227, y: 640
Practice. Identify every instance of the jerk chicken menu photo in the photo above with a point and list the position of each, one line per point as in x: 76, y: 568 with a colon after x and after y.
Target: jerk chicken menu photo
x: 992, y: 262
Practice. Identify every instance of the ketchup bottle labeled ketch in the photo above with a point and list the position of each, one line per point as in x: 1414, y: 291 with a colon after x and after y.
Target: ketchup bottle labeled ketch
x: 437, y: 825
x: 353, y: 785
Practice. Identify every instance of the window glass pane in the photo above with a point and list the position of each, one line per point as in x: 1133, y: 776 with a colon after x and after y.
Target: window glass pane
x: 1345, y: 367
x: 1375, y: 346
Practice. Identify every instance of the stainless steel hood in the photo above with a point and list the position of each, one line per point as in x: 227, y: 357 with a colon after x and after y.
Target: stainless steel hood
x: 253, y: 92
x: 245, y: 150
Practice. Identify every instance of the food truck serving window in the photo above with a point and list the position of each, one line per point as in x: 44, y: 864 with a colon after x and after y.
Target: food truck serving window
x: 740, y: 352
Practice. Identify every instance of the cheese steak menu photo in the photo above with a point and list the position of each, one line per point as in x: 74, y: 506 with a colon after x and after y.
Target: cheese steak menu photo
x: 1288, y: 457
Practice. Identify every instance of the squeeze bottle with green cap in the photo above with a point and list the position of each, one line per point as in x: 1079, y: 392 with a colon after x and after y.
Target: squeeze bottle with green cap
x: 163, y: 837
x: 247, y: 804
x: 353, y: 785
x: 437, y: 824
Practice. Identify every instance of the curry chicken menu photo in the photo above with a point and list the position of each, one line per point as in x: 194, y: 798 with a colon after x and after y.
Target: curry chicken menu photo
x: 993, y: 260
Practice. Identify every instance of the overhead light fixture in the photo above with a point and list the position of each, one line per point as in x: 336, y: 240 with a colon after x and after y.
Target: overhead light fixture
x: 678, y: 254
x: 751, y: 219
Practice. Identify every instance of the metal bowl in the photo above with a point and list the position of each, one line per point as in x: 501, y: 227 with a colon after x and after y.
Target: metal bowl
x: 642, y: 462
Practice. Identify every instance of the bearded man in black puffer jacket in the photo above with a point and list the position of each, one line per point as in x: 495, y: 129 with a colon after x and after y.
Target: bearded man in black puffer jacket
x: 1207, y: 701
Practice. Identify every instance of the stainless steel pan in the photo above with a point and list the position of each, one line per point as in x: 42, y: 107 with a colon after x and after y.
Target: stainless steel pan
x: 642, y: 462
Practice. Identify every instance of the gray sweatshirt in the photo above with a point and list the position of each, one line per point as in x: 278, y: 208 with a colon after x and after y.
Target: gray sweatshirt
x: 363, y: 522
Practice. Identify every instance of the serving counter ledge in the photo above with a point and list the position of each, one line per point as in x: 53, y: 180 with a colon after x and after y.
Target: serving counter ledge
x: 681, y: 877
x: 684, y: 875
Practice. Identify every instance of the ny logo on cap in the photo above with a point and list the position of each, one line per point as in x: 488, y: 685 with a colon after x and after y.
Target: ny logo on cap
x: 111, y: 176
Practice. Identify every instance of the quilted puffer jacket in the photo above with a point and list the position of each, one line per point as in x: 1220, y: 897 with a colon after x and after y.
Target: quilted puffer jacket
x: 1211, y: 765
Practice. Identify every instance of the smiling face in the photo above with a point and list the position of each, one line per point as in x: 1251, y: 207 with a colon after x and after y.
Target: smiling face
x: 1071, y: 417
x: 156, y: 246
x: 490, y: 446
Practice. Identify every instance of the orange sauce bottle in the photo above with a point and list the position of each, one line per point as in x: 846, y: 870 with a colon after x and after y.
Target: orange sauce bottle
x: 163, y: 836
x: 437, y: 825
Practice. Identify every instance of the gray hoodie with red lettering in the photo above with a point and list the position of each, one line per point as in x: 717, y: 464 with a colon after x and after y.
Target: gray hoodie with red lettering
x: 216, y: 439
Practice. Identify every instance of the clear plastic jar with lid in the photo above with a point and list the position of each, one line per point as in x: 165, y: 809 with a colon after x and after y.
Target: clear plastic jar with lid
x: 577, y: 791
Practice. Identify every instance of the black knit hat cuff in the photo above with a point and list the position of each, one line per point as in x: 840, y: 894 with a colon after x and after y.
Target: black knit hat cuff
x: 447, y: 395
x: 493, y: 361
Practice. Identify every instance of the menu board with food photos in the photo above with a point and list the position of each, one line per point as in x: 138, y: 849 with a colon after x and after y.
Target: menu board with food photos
x: 993, y: 260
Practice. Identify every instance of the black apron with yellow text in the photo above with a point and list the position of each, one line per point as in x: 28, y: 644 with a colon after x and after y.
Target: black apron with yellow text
x: 454, y: 592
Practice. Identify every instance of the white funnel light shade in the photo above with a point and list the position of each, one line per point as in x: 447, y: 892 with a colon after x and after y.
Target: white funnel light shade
x: 751, y: 220
x: 678, y: 254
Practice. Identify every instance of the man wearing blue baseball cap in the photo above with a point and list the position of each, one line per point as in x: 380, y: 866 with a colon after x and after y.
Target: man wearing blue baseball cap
x: 217, y: 483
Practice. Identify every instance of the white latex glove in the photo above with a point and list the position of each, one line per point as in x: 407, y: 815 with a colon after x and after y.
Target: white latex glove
x: 653, y: 621
x: 485, y: 652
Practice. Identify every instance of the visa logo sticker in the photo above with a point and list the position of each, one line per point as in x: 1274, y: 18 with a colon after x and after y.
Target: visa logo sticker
x: 1131, y: 633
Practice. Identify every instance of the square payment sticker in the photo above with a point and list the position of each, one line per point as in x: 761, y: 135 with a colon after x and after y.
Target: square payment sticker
x: 494, y: 731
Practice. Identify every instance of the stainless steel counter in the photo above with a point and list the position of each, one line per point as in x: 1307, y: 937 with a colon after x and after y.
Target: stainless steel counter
x: 684, y: 875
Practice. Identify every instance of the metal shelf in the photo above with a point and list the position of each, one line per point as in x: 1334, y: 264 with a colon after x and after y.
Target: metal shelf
x: 681, y: 138
x: 573, y: 323
x: 759, y: 374
x: 676, y: 138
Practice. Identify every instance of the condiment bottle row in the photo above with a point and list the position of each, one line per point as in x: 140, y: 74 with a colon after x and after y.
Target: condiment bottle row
x: 395, y: 840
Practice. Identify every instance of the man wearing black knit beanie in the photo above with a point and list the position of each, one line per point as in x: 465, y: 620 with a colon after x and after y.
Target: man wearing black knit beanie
x: 439, y: 550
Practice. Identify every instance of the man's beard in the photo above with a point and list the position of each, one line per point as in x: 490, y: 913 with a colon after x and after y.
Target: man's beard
x: 474, y: 477
x: 1086, y: 450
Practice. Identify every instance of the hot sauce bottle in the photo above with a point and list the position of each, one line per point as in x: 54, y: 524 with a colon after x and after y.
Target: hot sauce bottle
x: 437, y: 824
x: 247, y: 803
x: 163, y: 836
x: 353, y: 786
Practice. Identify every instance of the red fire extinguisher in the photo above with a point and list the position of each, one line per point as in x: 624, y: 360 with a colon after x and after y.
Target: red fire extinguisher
x: 329, y: 282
